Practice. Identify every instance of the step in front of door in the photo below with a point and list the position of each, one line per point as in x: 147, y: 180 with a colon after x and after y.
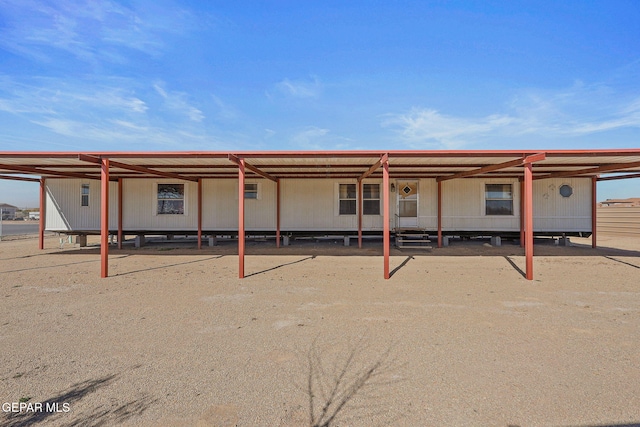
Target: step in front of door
x: 413, y: 243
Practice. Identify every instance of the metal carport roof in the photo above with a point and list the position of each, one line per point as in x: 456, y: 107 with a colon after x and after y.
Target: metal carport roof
x: 319, y: 164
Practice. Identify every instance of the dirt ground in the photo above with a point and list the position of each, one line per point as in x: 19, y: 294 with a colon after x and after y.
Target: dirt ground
x: 315, y: 336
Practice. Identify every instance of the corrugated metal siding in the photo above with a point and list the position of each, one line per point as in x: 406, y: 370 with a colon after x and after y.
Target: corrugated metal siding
x: 552, y: 212
x: 427, y: 204
x: 463, y: 206
x: 64, y: 211
x: 140, y: 206
x: 618, y: 220
x: 259, y: 214
x: 373, y: 222
x: 220, y: 205
x: 55, y: 217
x: 312, y: 204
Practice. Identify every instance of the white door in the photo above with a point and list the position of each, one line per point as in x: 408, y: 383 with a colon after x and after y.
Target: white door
x: 407, y: 192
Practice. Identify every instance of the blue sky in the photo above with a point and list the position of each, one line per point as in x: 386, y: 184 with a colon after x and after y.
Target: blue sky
x: 224, y: 75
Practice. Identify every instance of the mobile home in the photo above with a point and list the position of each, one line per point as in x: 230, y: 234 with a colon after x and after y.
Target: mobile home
x: 472, y: 206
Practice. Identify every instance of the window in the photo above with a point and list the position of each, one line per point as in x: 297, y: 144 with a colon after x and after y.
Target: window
x: 170, y: 199
x: 498, y: 199
x: 347, y: 196
x: 566, y: 190
x: 371, y: 199
x: 250, y: 191
x: 84, y: 195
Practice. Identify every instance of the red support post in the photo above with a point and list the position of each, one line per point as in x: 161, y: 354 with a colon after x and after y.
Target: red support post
x: 199, y: 213
x: 241, y: 235
x: 278, y: 213
x: 360, y: 207
x: 528, y: 219
x: 439, y: 214
x: 43, y: 214
x: 120, y: 225
x: 104, y: 217
x: 386, y: 238
x: 594, y: 210
x: 522, y: 213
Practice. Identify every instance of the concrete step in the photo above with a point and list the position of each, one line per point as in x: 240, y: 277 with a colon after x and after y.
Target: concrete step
x: 413, y: 243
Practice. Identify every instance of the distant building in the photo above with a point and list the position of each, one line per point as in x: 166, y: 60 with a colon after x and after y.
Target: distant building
x: 632, y: 201
x: 34, y: 215
x: 8, y: 211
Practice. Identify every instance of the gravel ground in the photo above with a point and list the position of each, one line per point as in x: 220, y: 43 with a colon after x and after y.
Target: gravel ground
x: 456, y: 337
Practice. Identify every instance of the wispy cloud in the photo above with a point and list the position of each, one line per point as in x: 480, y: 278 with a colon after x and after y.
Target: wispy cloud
x: 225, y: 111
x: 113, y: 111
x: 300, y: 88
x: 177, y: 102
x: 309, y: 136
x: 577, y: 111
x: 432, y: 129
x: 57, y: 96
x: 625, y: 119
x: 88, y: 30
x: 119, y: 133
x: 316, y: 138
x: 115, y: 130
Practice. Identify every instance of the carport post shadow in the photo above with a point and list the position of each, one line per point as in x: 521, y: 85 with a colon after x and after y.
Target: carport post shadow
x: 515, y: 266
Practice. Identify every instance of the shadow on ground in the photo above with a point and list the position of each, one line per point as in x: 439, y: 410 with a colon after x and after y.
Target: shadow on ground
x: 309, y: 249
x: 53, y: 408
x: 335, y: 247
x: 515, y: 267
x: 281, y: 265
x: 343, y: 387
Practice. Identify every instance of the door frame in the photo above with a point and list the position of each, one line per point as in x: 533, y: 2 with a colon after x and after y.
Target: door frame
x: 408, y: 222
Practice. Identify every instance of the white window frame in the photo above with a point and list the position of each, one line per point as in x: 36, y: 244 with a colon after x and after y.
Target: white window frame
x: 258, y: 184
x: 486, y: 199
x: 364, y: 199
x: 82, y: 195
x: 354, y: 199
x: 184, y: 199
x: 257, y: 191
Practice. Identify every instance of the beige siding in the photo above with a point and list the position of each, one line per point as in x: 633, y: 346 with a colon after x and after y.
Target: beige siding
x: 312, y: 204
x: 618, y: 220
x: 373, y: 222
x: 140, y: 206
x: 427, y: 203
x: 63, y: 210
x: 552, y: 212
x: 259, y: 214
x: 220, y: 205
x: 463, y: 206
x: 55, y: 214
